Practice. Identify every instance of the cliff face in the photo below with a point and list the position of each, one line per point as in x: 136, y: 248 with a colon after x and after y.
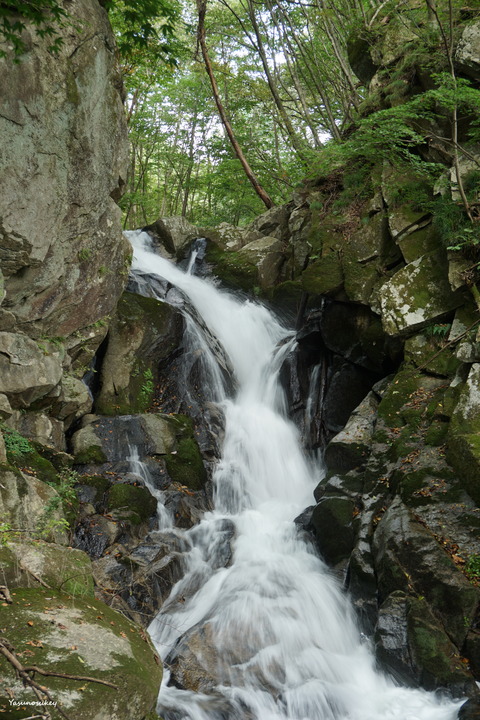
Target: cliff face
x: 63, y: 257
x: 64, y: 263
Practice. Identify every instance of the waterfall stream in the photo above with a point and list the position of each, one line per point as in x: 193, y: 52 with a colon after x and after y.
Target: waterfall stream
x: 273, y: 629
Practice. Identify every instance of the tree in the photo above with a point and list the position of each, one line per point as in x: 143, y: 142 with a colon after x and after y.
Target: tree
x: 267, y: 201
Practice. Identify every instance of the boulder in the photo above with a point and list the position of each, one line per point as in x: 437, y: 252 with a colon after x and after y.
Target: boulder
x: 23, y: 502
x: 85, y: 638
x: 268, y: 255
x: 467, y: 54
x: 74, y: 401
x: 417, y: 295
x: 350, y: 448
x: 65, y: 154
x: 57, y: 567
x: 228, y: 237
x: 27, y: 372
x: 408, y: 557
x: 412, y: 646
x: 39, y: 427
x: 273, y: 222
x: 143, y: 332
x: 174, y: 233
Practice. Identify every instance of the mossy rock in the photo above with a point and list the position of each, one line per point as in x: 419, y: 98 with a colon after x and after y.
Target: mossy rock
x: 430, y: 354
x: 332, y: 520
x: 463, y: 441
x: 185, y: 466
x: 24, y: 500
x: 80, y: 637
x: 133, y: 498
x: 434, y: 653
x: 417, y: 295
x: 24, y: 454
x: 323, y: 276
x: 397, y: 395
x: 143, y: 332
x: 418, y: 243
x: 61, y: 568
x: 232, y: 268
x: 91, y: 455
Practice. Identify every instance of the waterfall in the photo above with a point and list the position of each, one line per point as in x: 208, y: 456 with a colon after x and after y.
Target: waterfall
x: 273, y: 634
x: 164, y: 519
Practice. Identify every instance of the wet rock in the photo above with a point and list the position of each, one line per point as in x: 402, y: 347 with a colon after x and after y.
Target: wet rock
x: 350, y: 448
x: 407, y: 556
x: 470, y: 710
x: 95, y: 534
x: 186, y: 507
x: 143, y: 332
x: 174, y: 233
x: 139, y: 582
x: 410, y: 643
x: 332, y: 522
x: 347, y: 387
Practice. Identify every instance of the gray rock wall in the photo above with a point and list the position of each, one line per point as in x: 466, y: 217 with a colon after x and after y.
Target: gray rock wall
x: 63, y: 258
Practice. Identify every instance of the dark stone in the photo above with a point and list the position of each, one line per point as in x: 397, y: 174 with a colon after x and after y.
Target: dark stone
x: 470, y: 710
x: 407, y: 556
x: 416, y: 650
x: 348, y: 386
x: 332, y: 521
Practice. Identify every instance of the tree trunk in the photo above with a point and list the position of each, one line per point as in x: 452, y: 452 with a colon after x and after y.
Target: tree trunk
x: 267, y: 201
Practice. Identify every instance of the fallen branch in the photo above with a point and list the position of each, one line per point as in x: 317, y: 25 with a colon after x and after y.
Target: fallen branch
x: 50, y: 673
x: 26, y: 673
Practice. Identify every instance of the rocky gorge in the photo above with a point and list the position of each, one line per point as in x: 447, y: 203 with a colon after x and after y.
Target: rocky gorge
x: 103, y: 407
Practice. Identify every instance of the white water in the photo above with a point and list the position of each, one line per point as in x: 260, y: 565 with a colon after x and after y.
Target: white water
x: 286, y: 643
x: 164, y: 518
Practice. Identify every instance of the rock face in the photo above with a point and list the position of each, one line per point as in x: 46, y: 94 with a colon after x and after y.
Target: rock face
x: 64, y: 259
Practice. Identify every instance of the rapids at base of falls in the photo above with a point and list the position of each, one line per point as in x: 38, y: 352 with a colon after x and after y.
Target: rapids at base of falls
x: 271, y: 636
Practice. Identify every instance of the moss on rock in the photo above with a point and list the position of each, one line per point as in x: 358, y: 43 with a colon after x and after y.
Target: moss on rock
x: 133, y: 498
x: 232, y: 268
x: 186, y: 466
x: 85, y: 638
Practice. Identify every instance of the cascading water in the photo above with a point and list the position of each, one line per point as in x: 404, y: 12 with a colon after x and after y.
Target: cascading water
x: 164, y: 519
x: 281, y: 633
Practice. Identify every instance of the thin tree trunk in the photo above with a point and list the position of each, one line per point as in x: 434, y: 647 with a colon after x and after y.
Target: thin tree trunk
x: 267, y: 201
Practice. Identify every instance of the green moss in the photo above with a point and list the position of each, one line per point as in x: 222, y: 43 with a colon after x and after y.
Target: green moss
x: 22, y: 453
x: 233, y: 268
x: 137, y: 499
x: 397, y: 395
x: 186, y: 466
x: 463, y: 453
x: 32, y: 622
x: 437, y: 433
x: 323, y: 276
x: 286, y: 293
x: 93, y: 455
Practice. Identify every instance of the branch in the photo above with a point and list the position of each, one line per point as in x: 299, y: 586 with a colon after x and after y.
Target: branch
x: 24, y: 672
x: 81, y: 678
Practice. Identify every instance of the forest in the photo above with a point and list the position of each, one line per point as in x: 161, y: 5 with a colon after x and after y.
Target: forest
x: 240, y: 359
